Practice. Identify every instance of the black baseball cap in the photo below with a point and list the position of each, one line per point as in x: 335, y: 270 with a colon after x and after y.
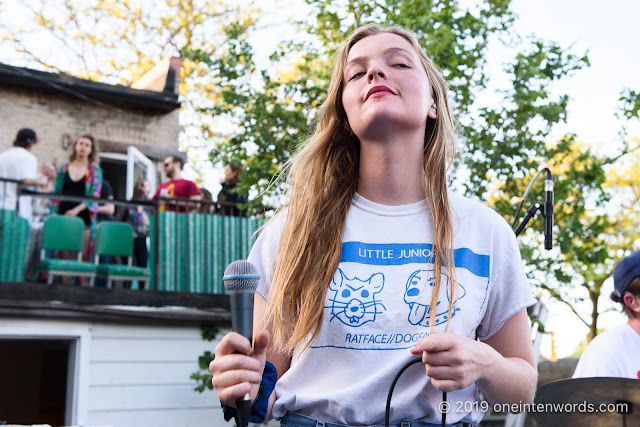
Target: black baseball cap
x: 626, y: 270
x: 27, y: 135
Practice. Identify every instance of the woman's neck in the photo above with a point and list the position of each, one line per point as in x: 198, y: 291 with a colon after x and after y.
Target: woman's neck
x: 391, y: 172
x: 79, y: 161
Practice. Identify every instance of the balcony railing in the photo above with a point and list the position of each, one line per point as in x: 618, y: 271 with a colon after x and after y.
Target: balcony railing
x: 188, y: 248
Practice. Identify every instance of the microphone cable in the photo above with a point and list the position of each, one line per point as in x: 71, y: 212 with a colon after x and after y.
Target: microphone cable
x: 526, y: 193
x: 387, y: 412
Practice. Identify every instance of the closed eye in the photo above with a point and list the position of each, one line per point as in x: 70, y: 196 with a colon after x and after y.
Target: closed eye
x: 402, y: 66
x: 356, y: 75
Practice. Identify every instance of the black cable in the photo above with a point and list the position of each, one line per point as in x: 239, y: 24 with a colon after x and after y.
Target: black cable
x: 387, y: 413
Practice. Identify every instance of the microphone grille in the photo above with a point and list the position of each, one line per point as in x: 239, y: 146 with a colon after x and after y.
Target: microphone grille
x: 241, y: 277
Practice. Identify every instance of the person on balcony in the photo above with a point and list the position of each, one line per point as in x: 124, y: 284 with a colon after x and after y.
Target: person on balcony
x: 229, y: 194
x: 177, y: 186
x: 81, y: 177
x: 41, y: 210
x: 18, y: 163
x: 139, y: 218
x: 208, y: 207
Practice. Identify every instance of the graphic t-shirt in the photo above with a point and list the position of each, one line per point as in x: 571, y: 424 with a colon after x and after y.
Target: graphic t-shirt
x: 378, y: 306
x: 181, y: 188
x: 613, y: 353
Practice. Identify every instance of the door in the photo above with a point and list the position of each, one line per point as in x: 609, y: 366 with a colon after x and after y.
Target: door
x: 139, y: 165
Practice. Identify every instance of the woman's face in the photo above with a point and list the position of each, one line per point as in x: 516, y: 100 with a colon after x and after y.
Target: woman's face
x: 385, y: 85
x: 83, y: 147
x: 146, y: 187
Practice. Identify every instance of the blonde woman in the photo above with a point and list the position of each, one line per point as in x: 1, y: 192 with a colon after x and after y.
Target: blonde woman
x: 374, y: 263
x: 82, y: 177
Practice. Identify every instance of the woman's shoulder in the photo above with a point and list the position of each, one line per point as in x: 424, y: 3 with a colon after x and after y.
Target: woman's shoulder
x: 474, y: 212
x: 464, y: 205
x: 274, y: 227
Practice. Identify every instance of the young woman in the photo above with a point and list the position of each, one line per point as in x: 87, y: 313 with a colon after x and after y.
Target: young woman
x: 81, y: 176
x: 139, y: 218
x: 374, y: 263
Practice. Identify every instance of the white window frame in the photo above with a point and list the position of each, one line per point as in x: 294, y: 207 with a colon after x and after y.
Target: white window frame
x: 134, y: 155
x: 76, y: 405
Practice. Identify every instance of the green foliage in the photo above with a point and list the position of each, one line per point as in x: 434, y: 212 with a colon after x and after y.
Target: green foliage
x: 203, y: 376
x: 503, y: 144
x: 630, y: 104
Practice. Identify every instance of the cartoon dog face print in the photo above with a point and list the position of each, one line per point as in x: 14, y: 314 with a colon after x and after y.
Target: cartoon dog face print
x: 417, y: 295
x: 354, y: 300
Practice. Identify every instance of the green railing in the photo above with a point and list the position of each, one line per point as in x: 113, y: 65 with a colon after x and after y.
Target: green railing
x: 188, y: 251
x: 192, y: 250
x: 13, y: 246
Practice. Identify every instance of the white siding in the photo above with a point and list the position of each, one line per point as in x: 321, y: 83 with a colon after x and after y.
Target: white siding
x: 139, y: 376
x: 131, y: 375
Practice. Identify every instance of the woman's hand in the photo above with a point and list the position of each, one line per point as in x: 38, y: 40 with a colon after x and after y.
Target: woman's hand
x: 75, y: 211
x: 72, y: 212
x: 234, y: 374
x: 454, y: 362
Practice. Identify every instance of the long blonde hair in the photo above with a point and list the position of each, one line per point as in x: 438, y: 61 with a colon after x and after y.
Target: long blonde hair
x: 324, y: 177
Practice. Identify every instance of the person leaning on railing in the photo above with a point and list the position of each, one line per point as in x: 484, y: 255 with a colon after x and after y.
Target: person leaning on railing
x: 18, y: 163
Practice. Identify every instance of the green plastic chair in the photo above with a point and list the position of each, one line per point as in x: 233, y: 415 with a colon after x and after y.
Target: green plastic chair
x: 64, y: 233
x: 116, y: 239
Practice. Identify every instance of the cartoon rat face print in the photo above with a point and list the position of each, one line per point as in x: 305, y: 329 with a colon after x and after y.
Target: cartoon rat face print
x: 354, y: 300
x: 417, y: 295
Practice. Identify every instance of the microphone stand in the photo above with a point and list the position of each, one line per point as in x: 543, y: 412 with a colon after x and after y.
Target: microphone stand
x: 531, y: 212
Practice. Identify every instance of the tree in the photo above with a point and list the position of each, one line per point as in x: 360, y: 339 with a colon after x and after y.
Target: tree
x: 116, y: 41
x: 503, y: 143
x: 273, y: 116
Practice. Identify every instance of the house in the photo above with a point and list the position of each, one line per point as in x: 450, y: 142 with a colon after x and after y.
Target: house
x: 100, y: 356
x: 139, y: 126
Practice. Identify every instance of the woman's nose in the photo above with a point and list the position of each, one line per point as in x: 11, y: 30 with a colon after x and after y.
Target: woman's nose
x: 375, y: 73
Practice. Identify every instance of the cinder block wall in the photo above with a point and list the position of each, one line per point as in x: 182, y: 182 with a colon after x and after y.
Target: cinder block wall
x: 54, y: 115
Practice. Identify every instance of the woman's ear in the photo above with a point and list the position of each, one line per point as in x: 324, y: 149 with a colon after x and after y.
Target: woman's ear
x: 433, y: 112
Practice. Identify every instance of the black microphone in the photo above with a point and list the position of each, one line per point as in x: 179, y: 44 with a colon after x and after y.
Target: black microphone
x: 547, y: 213
x: 241, y: 280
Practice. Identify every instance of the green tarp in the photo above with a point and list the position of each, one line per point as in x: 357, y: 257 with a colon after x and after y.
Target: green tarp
x: 14, y: 235
x: 194, y: 249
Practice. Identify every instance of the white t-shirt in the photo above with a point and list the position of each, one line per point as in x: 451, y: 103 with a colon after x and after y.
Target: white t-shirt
x: 16, y: 163
x: 613, y: 353
x: 376, y: 309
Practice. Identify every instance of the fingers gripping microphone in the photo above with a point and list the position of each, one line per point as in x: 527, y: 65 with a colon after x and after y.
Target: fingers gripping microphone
x: 241, y: 280
x: 548, y: 211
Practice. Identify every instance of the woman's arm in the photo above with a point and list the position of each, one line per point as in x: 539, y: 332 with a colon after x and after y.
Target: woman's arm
x: 514, y: 375
x: 280, y: 360
x: 94, y: 186
x: 235, y: 375
x: 502, y: 366
x: 58, y: 187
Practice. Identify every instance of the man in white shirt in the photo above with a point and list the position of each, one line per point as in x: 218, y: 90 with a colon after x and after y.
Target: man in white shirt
x: 18, y: 163
x: 614, y: 353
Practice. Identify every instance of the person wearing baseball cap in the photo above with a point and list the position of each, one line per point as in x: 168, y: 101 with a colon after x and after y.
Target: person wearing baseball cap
x: 614, y: 353
x: 18, y: 163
